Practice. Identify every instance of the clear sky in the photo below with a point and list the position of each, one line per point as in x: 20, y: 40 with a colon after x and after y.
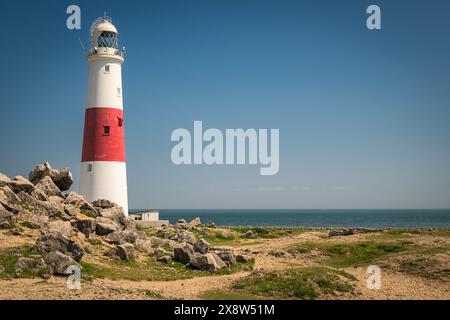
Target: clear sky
x: 364, y: 116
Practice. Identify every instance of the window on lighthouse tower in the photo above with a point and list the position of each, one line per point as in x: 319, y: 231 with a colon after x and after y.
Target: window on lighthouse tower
x: 106, y: 130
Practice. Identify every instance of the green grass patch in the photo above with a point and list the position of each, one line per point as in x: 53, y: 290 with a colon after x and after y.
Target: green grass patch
x: 353, y: 254
x: 268, y: 232
x: 150, y: 270
x: 298, y: 283
x: 8, y: 260
x: 226, y: 295
x: 89, y: 213
x: 30, y: 225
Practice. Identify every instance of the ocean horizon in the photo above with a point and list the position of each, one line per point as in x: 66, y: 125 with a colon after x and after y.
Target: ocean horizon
x: 363, y: 218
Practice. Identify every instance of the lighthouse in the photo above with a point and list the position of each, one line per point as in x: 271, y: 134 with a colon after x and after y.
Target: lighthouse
x: 103, y: 172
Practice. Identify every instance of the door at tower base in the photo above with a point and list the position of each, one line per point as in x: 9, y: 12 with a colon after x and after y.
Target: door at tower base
x: 105, y: 180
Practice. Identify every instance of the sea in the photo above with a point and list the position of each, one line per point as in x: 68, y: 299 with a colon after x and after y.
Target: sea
x: 418, y: 218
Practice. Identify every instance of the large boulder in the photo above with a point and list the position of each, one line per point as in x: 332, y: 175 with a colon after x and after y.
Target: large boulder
x: 115, y: 214
x: 20, y: 184
x: 74, y: 200
x: 58, y: 226
x: 59, y: 262
x: 201, y: 246
x: 104, y: 204
x: 195, y: 222
x: 9, y: 199
x: 121, y: 237
x: 86, y: 226
x: 41, y: 207
x: 207, y: 262
x: 61, y: 177
x: 123, y: 252
x: 47, y: 186
x: 53, y: 241
x: 226, y: 253
x: 243, y: 258
x: 106, y: 226
x: 183, y: 253
x: 29, y: 265
x: 186, y: 236
x: 5, y: 215
x: 4, y: 178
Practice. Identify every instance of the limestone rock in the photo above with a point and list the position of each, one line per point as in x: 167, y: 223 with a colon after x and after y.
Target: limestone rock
x: 78, y: 201
x: 207, y: 262
x: 186, y: 236
x: 210, y: 224
x: 58, y: 226
x: 104, y: 204
x: 122, y: 252
x: 61, y: 177
x: 52, y: 241
x: 121, y: 237
x: 86, y: 226
x: 115, y: 214
x: 59, y: 262
x: 29, y: 264
x: 41, y: 207
x: 4, y: 178
x: 195, y: 222
x: 9, y: 199
x: 165, y: 259
x: 47, y: 185
x: 226, y: 253
x: 181, y: 221
x: 201, y: 246
x: 183, y: 253
x: 106, y: 226
x: 243, y: 258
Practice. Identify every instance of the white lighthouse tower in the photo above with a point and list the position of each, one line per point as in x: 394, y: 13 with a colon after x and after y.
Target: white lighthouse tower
x: 103, y: 168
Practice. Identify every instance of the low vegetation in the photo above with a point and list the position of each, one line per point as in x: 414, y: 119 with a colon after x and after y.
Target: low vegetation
x: 8, y: 260
x: 298, y: 283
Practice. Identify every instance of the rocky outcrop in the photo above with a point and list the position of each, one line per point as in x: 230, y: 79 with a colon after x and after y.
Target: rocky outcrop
x: 53, y: 241
x: 201, y: 246
x: 186, y: 236
x: 61, y: 177
x: 195, y: 222
x: 226, y: 253
x: 121, y: 237
x: 47, y: 185
x: 183, y: 253
x: 59, y: 262
x: 78, y: 203
x: 58, y: 226
x: 122, y: 252
x: 87, y: 227
x: 106, y: 226
x: 29, y: 264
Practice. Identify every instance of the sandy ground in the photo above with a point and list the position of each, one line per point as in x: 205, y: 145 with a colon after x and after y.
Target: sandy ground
x: 394, y: 285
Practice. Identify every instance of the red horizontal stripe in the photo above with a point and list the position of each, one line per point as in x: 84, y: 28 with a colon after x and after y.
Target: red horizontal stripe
x: 98, y: 146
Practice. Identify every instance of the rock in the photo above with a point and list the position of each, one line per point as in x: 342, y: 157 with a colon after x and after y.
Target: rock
x: 226, y: 253
x: 29, y: 264
x: 183, y: 253
x: 80, y: 203
x: 56, y: 199
x: 186, y: 236
x: 181, y: 221
x: 62, y: 178
x: 52, y: 241
x: 146, y: 245
x: 165, y: 259
x: 201, y: 246
x: 243, y: 258
x: 5, y: 215
x: 39, y: 219
x: 86, y: 226
x: 277, y: 253
x: 122, y: 252
x: 4, y: 178
x: 105, y: 226
x: 47, y: 186
x: 104, y: 204
x: 9, y: 199
x: 207, y: 262
x: 115, y: 214
x: 71, y: 210
x: 120, y: 237
x: 41, y: 207
x: 210, y: 224
x: 58, y: 226
x: 59, y: 262
x: 195, y: 222
x: 160, y: 251
x: 338, y: 233
x: 249, y: 234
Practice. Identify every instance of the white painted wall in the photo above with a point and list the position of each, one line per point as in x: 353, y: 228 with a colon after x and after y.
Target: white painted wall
x: 107, y: 180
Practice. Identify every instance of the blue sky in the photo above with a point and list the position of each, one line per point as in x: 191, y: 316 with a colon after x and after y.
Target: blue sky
x: 363, y: 115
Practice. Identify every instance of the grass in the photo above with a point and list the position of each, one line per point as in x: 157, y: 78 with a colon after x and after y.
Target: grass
x: 89, y: 213
x: 425, y: 267
x: 226, y: 295
x: 354, y: 254
x: 268, y: 232
x: 299, y: 283
x: 30, y: 225
x: 8, y: 260
x: 150, y: 270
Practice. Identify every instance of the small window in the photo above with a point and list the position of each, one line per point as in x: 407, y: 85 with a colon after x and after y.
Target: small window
x: 107, y: 68
x: 119, y: 92
x: 89, y: 167
x: 106, y: 130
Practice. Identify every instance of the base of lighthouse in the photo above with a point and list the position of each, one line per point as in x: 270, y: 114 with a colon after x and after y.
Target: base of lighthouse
x: 104, y: 180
